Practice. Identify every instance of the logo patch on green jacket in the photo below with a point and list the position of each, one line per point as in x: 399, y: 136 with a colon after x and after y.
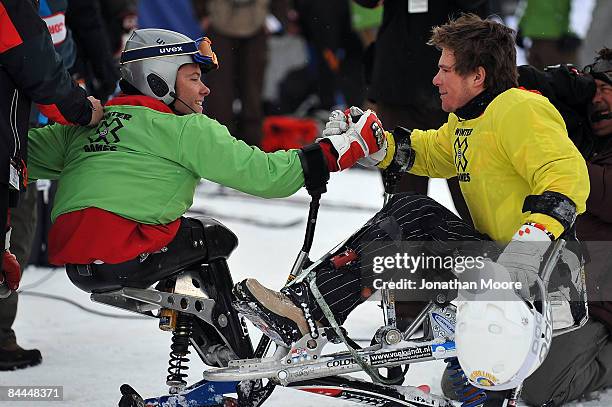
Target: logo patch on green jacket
x: 107, y: 133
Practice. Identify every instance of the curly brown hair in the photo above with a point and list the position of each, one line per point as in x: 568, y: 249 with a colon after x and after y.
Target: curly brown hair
x: 476, y: 42
x: 601, y: 68
x: 604, y: 53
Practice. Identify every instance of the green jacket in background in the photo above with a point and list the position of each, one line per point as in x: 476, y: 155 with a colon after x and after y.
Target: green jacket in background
x: 144, y: 165
x: 546, y: 19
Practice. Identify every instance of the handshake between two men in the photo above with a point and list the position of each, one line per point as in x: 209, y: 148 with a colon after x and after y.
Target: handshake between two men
x: 358, y: 136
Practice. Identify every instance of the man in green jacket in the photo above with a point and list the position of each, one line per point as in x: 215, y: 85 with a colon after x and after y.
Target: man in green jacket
x: 548, y: 24
x: 125, y: 185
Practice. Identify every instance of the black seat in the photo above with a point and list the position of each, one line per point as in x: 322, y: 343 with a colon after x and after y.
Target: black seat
x: 199, y: 240
x: 219, y: 240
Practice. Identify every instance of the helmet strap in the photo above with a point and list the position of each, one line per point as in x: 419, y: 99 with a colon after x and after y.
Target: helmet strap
x: 175, y: 96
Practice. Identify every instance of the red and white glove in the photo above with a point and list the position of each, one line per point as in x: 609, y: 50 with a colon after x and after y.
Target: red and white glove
x: 371, y: 160
x: 351, y: 141
x: 11, y: 272
x: 337, y: 123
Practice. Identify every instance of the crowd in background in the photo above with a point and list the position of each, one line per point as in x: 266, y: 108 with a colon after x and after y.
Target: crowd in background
x: 297, y: 57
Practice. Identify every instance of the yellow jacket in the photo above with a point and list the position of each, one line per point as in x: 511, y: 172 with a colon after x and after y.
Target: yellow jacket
x: 519, y: 146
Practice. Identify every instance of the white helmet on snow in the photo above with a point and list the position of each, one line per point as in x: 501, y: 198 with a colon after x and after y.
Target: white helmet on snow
x: 501, y: 340
x: 152, y: 57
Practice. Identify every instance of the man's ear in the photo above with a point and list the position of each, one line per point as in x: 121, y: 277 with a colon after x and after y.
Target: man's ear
x: 479, y: 77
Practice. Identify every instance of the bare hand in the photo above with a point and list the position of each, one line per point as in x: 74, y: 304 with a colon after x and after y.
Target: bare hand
x: 97, y: 111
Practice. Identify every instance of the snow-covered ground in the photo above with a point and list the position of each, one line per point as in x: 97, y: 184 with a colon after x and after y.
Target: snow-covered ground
x: 92, y: 355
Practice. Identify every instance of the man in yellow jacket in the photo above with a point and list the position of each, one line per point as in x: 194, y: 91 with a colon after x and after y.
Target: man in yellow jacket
x: 523, y: 180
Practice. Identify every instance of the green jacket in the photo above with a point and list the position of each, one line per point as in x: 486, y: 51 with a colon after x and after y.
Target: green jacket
x: 546, y: 19
x: 144, y: 165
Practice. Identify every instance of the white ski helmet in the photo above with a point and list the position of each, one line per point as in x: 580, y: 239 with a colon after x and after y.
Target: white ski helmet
x: 152, y: 57
x: 500, y: 343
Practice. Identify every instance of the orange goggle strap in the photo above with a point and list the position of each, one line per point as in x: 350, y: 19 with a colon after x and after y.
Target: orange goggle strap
x: 205, y: 55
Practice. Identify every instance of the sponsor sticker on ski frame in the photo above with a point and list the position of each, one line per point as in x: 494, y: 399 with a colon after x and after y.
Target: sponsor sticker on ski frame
x: 443, y: 323
x: 402, y: 355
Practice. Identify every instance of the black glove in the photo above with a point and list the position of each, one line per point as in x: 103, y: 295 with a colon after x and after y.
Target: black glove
x: 402, y: 160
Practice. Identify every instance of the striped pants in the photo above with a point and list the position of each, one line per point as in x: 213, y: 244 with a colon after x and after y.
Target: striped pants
x: 405, y: 218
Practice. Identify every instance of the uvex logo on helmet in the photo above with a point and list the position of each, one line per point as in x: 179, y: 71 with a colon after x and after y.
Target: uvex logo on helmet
x: 170, y: 49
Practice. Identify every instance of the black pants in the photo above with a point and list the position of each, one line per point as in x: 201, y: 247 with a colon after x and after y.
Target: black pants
x: 23, y: 221
x: 243, y: 62
x: 406, y: 217
x: 578, y: 363
x: 188, y: 247
x: 421, y: 117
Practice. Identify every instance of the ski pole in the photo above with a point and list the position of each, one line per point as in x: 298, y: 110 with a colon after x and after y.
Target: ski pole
x: 546, y: 272
x: 302, y: 256
x: 300, y: 261
x: 391, y: 177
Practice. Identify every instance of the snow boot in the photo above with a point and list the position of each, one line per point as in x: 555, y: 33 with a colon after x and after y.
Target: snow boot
x: 283, y: 316
x: 13, y: 356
